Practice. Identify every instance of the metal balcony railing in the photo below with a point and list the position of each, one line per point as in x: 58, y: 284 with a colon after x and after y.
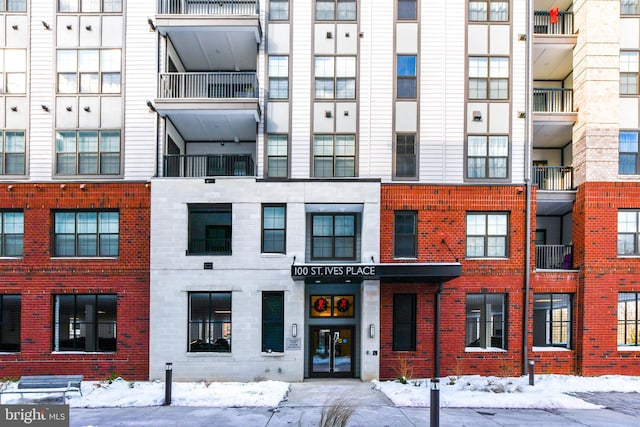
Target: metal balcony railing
x: 208, y: 85
x: 200, y: 165
x: 553, y: 178
x: 552, y: 100
x: 220, y: 246
x: 542, y: 23
x: 208, y: 7
x: 554, y: 257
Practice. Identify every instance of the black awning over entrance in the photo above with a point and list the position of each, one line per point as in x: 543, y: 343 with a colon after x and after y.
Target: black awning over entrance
x: 433, y: 272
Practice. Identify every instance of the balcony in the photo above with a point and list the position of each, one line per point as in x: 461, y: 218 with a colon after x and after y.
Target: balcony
x: 192, y: 166
x: 554, y: 257
x: 553, y: 178
x: 221, y: 246
x: 208, y: 7
x: 208, y: 86
x: 542, y: 23
x: 552, y: 100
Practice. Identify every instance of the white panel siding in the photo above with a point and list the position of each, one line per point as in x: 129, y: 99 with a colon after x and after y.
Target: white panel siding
x: 499, y: 41
x: 278, y: 39
x: 139, y: 87
x: 499, y: 117
x: 407, y: 38
x: 518, y: 93
x: 477, y: 39
x: 277, y: 117
x: 629, y: 113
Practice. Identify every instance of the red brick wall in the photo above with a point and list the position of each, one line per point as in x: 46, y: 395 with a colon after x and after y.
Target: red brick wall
x: 37, y: 277
x: 442, y: 215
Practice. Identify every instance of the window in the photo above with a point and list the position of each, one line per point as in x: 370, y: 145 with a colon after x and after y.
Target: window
x: 488, y: 78
x: 89, y: 152
x: 404, y: 322
x: 13, y: 5
x: 486, y: 321
x: 407, y: 10
x: 210, y: 322
x: 628, y: 162
x: 86, y: 234
x: 278, y: 77
x: 487, y: 156
x: 334, y: 155
x: 336, y: 10
x: 333, y: 237
x: 407, y: 72
x: 10, y: 306
x: 498, y: 10
x: 278, y: 10
x: 335, y: 77
x: 629, y: 72
x: 12, y: 152
x: 11, y: 233
x: 406, y: 156
x: 404, y: 234
x: 629, y: 233
x: 277, y: 166
x: 273, y: 322
x: 552, y: 320
x: 89, y: 5
x: 88, y: 70
x: 487, y: 234
x: 13, y: 71
x: 85, y: 322
x: 629, y: 7
x: 210, y: 229
x: 274, y: 219
x: 629, y: 319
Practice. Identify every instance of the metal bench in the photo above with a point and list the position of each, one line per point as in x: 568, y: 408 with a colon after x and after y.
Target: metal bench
x: 47, y: 384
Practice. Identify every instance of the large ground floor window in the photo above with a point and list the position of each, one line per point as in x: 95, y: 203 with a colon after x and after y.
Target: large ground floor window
x: 85, y: 322
x: 10, y: 323
x: 628, y: 319
x: 210, y: 322
x: 486, y: 321
x: 552, y: 320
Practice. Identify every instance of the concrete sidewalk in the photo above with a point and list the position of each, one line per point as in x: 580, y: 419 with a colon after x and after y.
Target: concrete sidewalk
x: 304, y: 403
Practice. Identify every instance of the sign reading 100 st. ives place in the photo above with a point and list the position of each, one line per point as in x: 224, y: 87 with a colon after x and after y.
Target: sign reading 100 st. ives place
x: 334, y: 271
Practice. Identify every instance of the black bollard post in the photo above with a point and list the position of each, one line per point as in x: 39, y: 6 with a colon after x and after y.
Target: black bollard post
x: 168, y: 371
x: 435, y: 403
x: 531, y: 371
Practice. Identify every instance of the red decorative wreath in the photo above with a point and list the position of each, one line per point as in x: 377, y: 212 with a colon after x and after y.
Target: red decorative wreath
x: 343, y: 305
x: 321, y: 304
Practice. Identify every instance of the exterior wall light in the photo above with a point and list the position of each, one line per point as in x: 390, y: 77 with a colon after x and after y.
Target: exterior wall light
x: 372, y: 331
x: 294, y: 330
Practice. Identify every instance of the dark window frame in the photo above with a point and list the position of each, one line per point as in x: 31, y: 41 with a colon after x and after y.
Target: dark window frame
x: 406, y: 157
x: 205, y: 341
x: 481, y: 322
x: 3, y: 234
x: 634, y: 233
x: 407, y: 10
x: 265, y: 229
x: 101, y: 155
x: 487, y: 157
x: 404, y: 321
x: 272, y: 325
x: 222, y: 242
x: 333, y: 236
x: 5, y: 155
x: 339, y: 162
x: 10, y: 323
x: 406, y: 77
x: 628, y: 330
x: 553, y: 303
x: 92, y: 325
x: 629, y: 153
x: 272, y: 171
x: 398, y: 235
x: 58, y: 239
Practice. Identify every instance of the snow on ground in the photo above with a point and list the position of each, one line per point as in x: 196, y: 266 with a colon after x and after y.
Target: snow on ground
x: 549, y: 391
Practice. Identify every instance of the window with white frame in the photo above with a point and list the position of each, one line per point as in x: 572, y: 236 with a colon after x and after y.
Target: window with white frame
x: 629, y: 319
x: 629, y: 72
x: 334, y: 155
x: 88, y: 70
x: 335, y: 10
x: 12, y: 152
x: 629, y: 7
x: 552, y: 320
x: 489, y: 10
x: 277, y: 156
x: 14, y: 71
x: 86, y: 234
x: 85, y: 322
x: 488, y: 77
x: 487, y: 156
x: 209, y: 322
x: 406, y: 157
x: 487, y: 234
x: 13, y: 5
x: 486, y: 321
x: 629, y: 232
x: 106, y: 6
x: 88, y: 152
x: 628, y: 159
x: 335, y: 77
x: 278, y: 77
x: 11, y: 233
x: 278, y: 10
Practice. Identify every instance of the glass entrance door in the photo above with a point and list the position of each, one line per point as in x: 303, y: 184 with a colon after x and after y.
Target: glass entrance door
x: 331, y: 351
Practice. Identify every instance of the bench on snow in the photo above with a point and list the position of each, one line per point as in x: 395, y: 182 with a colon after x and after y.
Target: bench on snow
x: 47, y: 384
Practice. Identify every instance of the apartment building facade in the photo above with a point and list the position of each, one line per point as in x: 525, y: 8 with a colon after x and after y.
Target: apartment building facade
x: 334, y: 188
